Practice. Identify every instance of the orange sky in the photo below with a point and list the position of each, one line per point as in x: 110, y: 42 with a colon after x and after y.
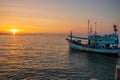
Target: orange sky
x: 57, y: 16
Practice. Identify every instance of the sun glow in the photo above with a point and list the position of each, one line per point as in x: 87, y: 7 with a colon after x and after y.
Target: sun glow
x: 14, y: 31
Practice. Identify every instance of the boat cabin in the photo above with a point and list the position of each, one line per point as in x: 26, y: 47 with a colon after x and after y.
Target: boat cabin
x: 103, y: 41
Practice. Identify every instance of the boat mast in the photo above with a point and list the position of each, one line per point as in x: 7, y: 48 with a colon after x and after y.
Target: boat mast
x: 95, y: 35
x: 71, y: 35
x: 90, y: 29
x: 88, y: 26
x: 95, y: 27
x: 116, y: 35
x: 88, y: 32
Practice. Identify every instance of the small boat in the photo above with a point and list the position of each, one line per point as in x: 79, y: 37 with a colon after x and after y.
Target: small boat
x: 96, y: 43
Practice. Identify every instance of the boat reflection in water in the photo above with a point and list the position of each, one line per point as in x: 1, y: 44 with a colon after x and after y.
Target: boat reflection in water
x: 93, y: 65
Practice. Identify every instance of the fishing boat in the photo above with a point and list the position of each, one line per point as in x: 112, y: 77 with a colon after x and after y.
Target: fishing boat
x: 96, y: 43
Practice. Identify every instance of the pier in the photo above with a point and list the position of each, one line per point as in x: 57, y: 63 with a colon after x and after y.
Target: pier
x: 117, y: 72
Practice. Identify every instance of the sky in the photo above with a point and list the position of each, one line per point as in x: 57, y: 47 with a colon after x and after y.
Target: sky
x: 59, y: 16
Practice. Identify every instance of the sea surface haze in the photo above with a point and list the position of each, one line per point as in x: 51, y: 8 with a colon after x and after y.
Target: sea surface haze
x: 48, y: 57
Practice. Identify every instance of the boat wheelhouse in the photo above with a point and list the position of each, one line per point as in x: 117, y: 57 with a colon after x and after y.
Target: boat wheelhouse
x: 106, y: 41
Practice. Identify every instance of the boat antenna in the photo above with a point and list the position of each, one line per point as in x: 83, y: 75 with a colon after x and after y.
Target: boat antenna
x: 115, y: 28
x: 88, y: 25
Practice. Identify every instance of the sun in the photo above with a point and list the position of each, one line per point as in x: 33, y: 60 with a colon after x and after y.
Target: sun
x: 14, y: 31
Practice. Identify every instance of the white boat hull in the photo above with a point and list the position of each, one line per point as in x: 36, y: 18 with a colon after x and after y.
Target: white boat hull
x: 94, y: 50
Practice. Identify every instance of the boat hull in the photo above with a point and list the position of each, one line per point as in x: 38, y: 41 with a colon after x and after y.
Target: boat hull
x: 94, y: 50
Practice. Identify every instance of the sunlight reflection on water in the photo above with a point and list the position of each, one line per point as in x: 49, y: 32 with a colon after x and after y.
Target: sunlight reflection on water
x: 39, y: 57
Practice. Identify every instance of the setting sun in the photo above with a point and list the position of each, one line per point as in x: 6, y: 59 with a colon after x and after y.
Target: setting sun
x: 14, y: 31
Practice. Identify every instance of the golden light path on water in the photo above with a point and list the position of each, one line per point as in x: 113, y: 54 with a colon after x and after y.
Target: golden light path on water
x: 48, y: 57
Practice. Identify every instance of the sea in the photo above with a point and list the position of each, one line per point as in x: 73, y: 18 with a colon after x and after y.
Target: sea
x: 48, y: 57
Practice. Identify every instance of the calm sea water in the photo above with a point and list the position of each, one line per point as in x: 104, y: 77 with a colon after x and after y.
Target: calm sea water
x: 47, y: 57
